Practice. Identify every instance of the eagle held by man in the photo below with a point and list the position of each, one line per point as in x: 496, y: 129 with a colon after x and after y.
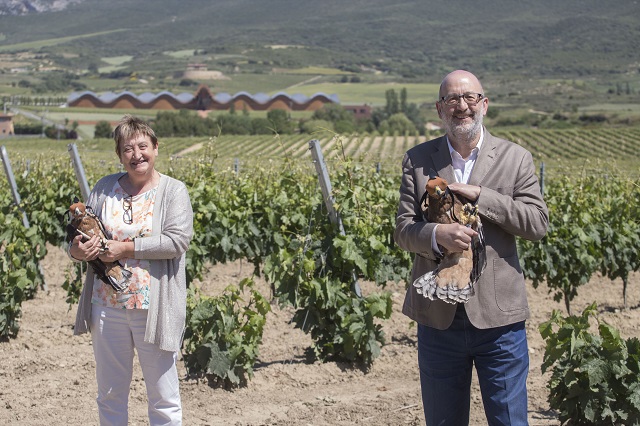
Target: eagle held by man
x: 453, y: 279
x: 84, y: 222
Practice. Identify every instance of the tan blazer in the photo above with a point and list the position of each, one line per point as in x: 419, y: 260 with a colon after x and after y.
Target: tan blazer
x: 510, y: 205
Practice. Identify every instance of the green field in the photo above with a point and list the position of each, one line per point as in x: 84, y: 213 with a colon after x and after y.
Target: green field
x: 372, y: 94
x: 35, y: 45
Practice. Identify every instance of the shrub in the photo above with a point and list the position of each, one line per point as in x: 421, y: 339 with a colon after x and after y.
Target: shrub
x: 315, y: 126
x: 397, y: 123
x: 102, y: 130
x: 27, y: 128
x: 281, y: 121
x: 187, y: 82
x: 222, y: 336
x: 261, y: 126
x: 595, y: 379
x: 21, y: 249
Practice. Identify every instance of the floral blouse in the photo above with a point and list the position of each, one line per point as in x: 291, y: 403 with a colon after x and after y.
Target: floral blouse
x: 127, y: 217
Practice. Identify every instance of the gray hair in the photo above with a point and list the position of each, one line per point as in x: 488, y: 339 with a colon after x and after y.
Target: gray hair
x: 130, y: 126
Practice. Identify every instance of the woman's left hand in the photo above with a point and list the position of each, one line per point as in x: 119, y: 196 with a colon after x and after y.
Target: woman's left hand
x: 117, y: 250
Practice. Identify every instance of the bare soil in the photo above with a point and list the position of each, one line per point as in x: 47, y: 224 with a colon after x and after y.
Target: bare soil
x: 47, y: 375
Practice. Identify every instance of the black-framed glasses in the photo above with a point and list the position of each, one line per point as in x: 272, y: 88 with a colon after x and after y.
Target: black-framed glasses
x: 127, y: 216
x: 454, y: 99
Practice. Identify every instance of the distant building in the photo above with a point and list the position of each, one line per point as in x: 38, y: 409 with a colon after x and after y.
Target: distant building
x: 359, y: 111
x: 200, y: 72
x: 202, y: 100
x: 196, y: 67
x: 6, y: 125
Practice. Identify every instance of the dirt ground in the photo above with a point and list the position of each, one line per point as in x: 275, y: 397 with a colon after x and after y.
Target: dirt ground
x: 47, y: 374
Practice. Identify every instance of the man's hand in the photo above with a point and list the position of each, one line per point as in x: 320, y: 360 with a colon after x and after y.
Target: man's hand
x: 454, y: 237
x: 471, y: 192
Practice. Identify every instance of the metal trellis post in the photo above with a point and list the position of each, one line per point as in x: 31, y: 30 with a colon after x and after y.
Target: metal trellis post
x: 12, y: 181
x: 325, y: 186
x: 77, y: 166
x: 16, y: 199
x: 542, y: 178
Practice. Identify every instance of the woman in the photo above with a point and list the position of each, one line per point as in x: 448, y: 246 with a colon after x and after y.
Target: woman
x: 150, y: 219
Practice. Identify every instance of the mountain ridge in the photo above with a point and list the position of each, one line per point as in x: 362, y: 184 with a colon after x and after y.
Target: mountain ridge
x: 411, y: 38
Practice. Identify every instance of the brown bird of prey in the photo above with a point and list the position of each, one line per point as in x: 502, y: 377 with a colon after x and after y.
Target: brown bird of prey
x: 453, y: 279
x: 84, y: 222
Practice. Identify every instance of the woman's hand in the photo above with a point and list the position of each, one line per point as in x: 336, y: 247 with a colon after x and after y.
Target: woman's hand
x: 86, y: 251
x: 117, y: 250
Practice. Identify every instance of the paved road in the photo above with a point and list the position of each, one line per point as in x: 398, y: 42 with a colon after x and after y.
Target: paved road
x: 42, y: 119
x: 37, y: 117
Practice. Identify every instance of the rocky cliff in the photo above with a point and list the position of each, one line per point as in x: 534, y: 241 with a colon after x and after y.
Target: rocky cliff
x: 23, y: 7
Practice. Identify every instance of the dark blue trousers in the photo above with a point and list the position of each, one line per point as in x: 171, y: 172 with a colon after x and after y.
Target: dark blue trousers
x: 446, y: 358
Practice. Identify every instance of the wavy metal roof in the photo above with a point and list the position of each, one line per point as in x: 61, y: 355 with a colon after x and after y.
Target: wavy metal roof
x: 188, y: 100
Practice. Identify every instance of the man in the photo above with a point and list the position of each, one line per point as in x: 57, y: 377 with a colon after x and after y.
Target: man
x: 488, y: 330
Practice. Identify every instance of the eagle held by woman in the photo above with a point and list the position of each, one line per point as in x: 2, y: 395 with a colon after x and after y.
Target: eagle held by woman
x: 84, y: 222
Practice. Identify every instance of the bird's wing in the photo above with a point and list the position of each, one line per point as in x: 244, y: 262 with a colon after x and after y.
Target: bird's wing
x: 97, y: 225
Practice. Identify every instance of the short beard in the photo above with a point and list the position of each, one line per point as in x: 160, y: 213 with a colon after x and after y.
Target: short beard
x: 466, y: 133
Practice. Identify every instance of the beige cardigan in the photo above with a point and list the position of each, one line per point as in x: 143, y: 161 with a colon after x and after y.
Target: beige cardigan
x: 172, y: 229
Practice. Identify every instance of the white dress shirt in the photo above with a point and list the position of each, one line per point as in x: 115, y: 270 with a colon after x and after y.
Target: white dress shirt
x: 462, y: 169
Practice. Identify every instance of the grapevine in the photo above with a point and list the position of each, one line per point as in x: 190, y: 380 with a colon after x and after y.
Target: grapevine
x: 270, y: 213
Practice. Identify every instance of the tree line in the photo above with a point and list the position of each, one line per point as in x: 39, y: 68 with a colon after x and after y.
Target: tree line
x: 398, y: 116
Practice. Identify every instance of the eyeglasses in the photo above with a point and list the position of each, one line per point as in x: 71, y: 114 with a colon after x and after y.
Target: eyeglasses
x: 127, y: 216
x: 454, y: 99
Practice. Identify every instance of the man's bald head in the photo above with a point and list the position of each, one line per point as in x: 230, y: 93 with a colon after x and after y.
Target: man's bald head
x: 460, y: 78
x: 461, y: 107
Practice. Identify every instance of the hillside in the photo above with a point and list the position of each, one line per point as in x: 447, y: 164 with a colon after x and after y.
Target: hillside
x: 412, y: 38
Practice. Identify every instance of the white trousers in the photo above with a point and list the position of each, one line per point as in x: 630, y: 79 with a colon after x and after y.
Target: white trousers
x: 115, y: 334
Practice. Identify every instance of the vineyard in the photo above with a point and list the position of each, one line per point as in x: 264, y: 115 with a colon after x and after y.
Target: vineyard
x: 557, y: 148
x: 257, y: 201
x: 611, y: 149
